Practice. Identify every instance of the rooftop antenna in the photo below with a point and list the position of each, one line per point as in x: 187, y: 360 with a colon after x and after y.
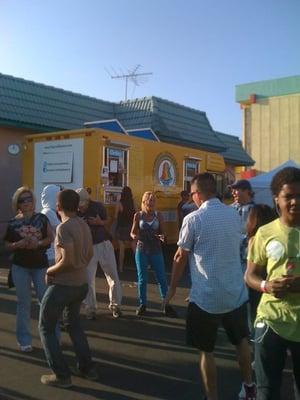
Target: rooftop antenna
x: 132, y: 75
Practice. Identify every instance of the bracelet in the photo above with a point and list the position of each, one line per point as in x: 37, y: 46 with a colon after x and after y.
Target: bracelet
x: 263, y: 286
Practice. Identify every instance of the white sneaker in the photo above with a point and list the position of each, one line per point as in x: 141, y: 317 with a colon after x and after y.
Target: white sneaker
x: 26, y: 349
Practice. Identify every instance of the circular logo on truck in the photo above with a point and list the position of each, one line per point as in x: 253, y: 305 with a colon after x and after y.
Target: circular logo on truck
x: 165, y: 170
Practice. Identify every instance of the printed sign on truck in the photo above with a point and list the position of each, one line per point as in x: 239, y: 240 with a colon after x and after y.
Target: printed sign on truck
x: 59, y: 162
x: 57, y: 167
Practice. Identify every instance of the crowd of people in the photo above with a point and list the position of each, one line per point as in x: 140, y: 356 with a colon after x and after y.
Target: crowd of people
x: 243, y: 259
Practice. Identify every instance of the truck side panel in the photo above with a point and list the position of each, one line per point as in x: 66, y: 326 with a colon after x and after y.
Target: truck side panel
x: 88, y: 158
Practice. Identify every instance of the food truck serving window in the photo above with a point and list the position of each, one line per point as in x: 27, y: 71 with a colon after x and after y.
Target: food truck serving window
x: 116, y: 160
x: 191, y: 168
x: 115, y: 173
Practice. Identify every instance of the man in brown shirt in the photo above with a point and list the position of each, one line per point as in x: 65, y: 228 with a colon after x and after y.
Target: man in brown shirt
x: 67, y: 287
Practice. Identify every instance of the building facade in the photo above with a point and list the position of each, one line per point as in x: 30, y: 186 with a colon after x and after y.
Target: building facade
x: 28, y: 107
x: 271, y: 121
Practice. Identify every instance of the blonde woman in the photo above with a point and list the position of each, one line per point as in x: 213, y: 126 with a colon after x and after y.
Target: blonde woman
x: 28, y: 236
x: 148, y: 230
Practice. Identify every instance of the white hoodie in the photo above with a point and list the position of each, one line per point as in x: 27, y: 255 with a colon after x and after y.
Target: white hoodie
x: 48, y: 200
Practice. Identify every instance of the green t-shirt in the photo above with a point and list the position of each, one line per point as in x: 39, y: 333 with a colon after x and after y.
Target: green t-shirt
x: 274, y: 246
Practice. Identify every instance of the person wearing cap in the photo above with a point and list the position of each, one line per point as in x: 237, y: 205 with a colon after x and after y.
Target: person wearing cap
x: 243, y: 201
x: 95, y: 215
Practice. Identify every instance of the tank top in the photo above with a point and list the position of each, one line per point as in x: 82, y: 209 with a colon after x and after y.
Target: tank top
x: 148, y: 241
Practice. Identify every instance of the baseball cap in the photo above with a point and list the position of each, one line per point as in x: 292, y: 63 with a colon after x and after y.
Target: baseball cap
x: 243, y: 184
x: 84, y: 197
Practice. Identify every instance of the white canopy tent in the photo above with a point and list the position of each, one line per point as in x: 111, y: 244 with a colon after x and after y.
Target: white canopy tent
x: 261, y: 183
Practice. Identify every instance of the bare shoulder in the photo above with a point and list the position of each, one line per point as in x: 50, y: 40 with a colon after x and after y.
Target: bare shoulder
x: 137, y: 217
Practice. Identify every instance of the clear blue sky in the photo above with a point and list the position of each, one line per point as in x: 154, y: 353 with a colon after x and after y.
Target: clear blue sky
x: 198, y: 50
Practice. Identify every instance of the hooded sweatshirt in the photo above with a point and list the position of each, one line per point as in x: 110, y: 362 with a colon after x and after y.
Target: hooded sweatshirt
x: 48, y: 199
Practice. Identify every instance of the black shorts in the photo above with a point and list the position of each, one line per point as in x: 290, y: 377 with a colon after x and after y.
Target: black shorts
x: 202, y: 327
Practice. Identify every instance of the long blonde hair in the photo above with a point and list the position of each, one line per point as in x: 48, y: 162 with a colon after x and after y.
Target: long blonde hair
x: 18, y: 193
x: 146, y: 196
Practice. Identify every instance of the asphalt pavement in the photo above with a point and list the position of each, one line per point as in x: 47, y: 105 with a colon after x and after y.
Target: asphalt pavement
x: 137, y: 358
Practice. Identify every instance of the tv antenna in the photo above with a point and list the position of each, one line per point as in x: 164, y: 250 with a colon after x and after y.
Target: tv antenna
x: 132, y: 75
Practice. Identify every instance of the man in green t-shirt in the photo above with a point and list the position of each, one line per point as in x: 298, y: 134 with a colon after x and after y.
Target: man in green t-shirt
x: 274, y: 269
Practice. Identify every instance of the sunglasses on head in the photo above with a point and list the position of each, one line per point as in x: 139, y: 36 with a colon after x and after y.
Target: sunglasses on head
x: 27, y: 199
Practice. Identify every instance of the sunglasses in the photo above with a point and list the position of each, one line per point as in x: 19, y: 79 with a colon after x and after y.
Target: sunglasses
x: 27, y: 199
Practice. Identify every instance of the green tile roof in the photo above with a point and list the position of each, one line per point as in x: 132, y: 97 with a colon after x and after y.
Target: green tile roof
x: 235, y: 154
x: 269, y: 88
x: 172, y: 122
x: 44, y: 108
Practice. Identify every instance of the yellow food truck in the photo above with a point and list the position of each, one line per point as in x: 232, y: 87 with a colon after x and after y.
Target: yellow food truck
x: 107, y: 161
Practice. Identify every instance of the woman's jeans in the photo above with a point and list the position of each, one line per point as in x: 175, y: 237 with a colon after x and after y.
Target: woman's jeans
x: 156, y: 261
x: 59, y: 298
x: 270, y: 356
x: 22, y: 278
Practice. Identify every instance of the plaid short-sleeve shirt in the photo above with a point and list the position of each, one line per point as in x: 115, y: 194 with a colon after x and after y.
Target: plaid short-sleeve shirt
x: 212, y: 236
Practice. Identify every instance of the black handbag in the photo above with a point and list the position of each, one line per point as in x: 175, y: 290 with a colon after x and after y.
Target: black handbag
x: 10, y: 282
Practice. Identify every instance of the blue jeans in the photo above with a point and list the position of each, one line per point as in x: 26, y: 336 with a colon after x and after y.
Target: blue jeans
x: 270, y: 356
x: 156, y: 261
x: 22, y: 278
x: 64, y: 299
